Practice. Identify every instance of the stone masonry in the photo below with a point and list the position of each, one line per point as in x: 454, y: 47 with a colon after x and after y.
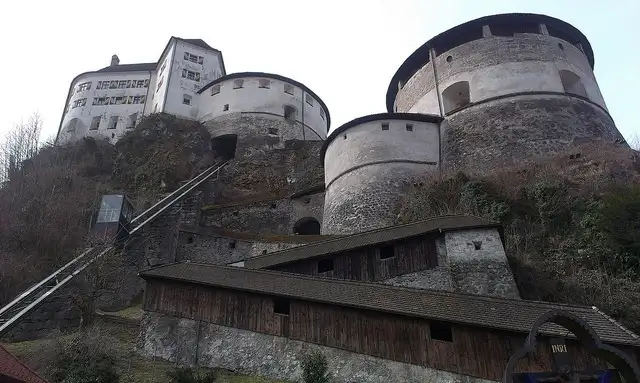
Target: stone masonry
x: 189, y: 342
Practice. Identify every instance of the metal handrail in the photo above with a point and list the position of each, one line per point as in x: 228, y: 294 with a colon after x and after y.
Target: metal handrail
x: 173, y: 193
x: 33, y: 304
x: 47, y: 279
x: 178, y: 197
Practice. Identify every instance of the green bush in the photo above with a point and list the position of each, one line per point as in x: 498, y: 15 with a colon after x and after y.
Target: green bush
x: 314, y: 368
x: 189, y: 375
x: 86, y: 357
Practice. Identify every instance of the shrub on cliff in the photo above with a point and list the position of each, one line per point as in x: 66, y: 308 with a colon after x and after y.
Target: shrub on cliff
x: 572, y: 224
x: 189, y: 375
x: 315, y: 368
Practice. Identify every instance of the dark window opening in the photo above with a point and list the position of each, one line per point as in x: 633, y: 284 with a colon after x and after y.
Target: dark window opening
x: 232, y: 245
x: 224, y: 147
x: 307, y: 200
x: 307, y: 226
x: 477, y: 245
x: 561, y: 46
x: 290, y: 113
x: 387, y: 252
x: 225, y: 107
x: 449, y: 59
x: 273, y: 130
x: 325, y: 265
x: 273, y: 206
x: 281, y: 306
x: 409, y: 128
x: 385, y: 126
x: 235, y: 213
x: 190, y: 239
x: 264, y: 251
x: 441, y: 331
x: 345, y: 136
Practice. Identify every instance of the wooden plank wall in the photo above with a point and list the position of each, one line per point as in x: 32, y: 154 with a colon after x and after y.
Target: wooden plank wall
x: 474, y: 351
x: 411, y: 255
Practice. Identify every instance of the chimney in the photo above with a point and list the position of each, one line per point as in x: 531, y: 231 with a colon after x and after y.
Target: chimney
x: 115, y: 60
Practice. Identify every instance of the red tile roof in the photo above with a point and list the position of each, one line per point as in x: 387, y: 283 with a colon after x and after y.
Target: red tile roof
x: 15, y: 370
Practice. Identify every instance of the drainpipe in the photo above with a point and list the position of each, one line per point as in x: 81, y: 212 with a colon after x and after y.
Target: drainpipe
x: 432, y: 58
x: 303, y: 96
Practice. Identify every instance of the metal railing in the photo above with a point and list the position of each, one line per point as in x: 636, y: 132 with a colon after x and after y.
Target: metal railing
x: 12, y: 312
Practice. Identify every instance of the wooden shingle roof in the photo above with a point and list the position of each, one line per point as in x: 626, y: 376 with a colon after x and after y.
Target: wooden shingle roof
x: 368, y: 238
x: 13, y: 370
x: 503, y: 314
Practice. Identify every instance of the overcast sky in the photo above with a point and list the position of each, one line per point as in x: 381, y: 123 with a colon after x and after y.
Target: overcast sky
x: 344, y: 50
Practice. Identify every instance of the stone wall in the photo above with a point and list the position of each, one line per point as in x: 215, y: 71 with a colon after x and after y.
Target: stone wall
x: 189, y: 342
x: 506, y: 131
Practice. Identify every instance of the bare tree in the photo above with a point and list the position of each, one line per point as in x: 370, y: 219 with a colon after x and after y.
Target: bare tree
x: 19, y: 144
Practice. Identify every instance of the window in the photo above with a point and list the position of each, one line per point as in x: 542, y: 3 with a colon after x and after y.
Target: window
x: 440, y: 331
x: 84, y: 86
x: 290, y: 112
x: 456, y: 96
x: 386, y: 252
x: 138, y: 99
x: 119, y: 100
x: 193, y: 58
x: 477, y: 245
x: 133, y: 119
x: 164, y: 65
x: 306, y: 226
x: 309, y: 99
x: 571, y: 83
x: 409, y: 127
x: 191, y: 75
x: 128, y: 100
x: 322, y: 115
x: 325, y: 265
x: 225, y: 107
x: 113, y: 122
x: 113, y: 85
x: 159, y: 84
x: 95, y: 123
x: 80, y: 102
x: 122, y: 84
x: 288, y: 88
x: 281, y: 306
x: 186, y: 99
x: 232, y: 245
x: 72, y: 125
x: 238, y: 83
x: 263, y: 83
x: 273, y: 130
x: 385, y: 126
x: 215, y: 89
x: 145, y: 83
x: 102, y: 84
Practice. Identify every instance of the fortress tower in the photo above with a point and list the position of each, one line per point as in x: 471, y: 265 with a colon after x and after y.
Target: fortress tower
x: 510, y: 87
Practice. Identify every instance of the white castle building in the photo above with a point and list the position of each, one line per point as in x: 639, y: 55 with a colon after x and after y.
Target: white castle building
x: 189, y: 81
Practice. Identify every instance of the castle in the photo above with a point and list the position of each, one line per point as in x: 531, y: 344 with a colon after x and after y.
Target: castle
x: 294, y: 246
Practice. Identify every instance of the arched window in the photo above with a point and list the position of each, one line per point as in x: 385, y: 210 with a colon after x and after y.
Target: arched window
x: 290, y: 112
x: 572, y: 84
x: 456, y: 96
x: 306, y: 226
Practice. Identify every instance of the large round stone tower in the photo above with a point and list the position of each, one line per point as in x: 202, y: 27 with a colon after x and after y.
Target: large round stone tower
x: 511, y: 87
x: 367, y: 164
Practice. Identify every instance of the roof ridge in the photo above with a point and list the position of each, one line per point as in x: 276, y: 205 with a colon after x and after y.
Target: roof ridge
x: 620, y: 325
x: 381, y: 285
x: 368, y: 232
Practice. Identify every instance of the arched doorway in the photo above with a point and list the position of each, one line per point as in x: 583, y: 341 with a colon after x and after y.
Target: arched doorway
x: 224, y: 147
x: 307, y: 226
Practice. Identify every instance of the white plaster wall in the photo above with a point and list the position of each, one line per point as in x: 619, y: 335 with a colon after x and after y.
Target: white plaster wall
x: 86, y: 113
x: 460, y: 248
x: 252, y: 98
x: 178, y: 86
x: 367, y: 143
x: 158, y: 94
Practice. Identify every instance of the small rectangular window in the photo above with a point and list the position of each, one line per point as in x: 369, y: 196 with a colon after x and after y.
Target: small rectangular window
x: 113, y: 85
x: 273, y: 130
x: 159, y: 84
x: 186, y: 99
x: 113, y: 122
x: 309, y: 100
x: 133, y: 119
x: 477, y: 245
x: 215, y: 89
x: 387, y: 252
x: 385, y: 126
x: 441, y: 331
x: 238, y: 83
x: 281, y: 306
x: 409, y: 128
x: 95, y: 123
x: 262, y: 83
x: 325, y: 265
x: 225, y: 107
x: 122, y: 84
x: 200, y: 60
x: 288, y: 88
